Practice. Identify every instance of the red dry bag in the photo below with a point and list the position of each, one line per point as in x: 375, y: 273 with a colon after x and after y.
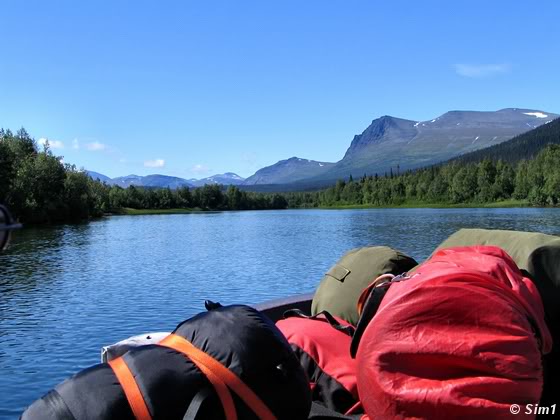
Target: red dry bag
x: 461, y: 338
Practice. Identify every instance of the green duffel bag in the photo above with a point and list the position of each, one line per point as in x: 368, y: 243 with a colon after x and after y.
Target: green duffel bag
x: 342, y: 285
x: 538, y: 255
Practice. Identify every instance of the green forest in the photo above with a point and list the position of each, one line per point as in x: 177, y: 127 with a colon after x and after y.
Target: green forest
x: 39, y: 188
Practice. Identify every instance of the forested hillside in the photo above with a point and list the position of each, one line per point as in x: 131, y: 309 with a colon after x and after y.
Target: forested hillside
x: 524, y: 146
x: 536, y: 181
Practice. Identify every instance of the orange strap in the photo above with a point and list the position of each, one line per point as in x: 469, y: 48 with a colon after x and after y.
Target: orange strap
x: 130, y: 388
x: 229, y: 378
x: 219, y: 385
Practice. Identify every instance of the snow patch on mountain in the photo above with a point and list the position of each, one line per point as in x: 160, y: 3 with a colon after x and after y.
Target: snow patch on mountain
x: 536, y: 114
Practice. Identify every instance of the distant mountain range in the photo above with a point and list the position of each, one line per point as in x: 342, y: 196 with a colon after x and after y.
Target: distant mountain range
x: 229, y: 178
x: 389, y: 143
x: 164, y: 181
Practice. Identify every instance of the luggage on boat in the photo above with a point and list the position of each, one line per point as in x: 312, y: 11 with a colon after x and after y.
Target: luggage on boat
x: 322, y: 348
x: 536, y: 253
x: 341, y: 286
x: 192, y: 374
x: 538, y: 256
x: 461, y: 337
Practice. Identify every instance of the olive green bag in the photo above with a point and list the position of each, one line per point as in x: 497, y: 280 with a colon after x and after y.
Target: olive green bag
x: 535, y: 253
x: 342, y: 285
x: 538, y: 255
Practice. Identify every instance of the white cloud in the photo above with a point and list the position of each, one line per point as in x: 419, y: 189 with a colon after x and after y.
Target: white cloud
x: 75, y: 144
x: 156, y: 163
x: 481, y: 70
x: 95, y: 146
x: 53, y: 144
x: 200, y: 169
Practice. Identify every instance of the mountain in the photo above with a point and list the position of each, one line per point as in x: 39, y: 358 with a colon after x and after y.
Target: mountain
x: 391, y: 143
x: 229, y: 178
x: 288, y: 171
x: 97, y: 176
x: 152, y: 181
x: 127, y: 181
x: 387, y: 144
x: 164, y: 181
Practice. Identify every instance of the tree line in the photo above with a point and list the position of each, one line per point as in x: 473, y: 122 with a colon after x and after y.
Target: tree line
x: 38, y: 187
x: 208, y: 197
x: 536, y: 181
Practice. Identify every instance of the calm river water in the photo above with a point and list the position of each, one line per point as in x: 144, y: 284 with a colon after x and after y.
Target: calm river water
x: 65, y: 291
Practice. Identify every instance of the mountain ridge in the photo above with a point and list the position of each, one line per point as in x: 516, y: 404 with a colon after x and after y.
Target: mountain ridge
x: 394, y: 143
x: 291, y: 170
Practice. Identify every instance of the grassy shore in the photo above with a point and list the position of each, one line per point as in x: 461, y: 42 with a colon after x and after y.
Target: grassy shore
x: 422, y: 205
x: 410, y: 205
x: 137, y: 212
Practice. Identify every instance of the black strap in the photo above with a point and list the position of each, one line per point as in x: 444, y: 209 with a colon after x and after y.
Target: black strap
x: 327, y: 317
x: 196, y: 403
x: 368, y: 312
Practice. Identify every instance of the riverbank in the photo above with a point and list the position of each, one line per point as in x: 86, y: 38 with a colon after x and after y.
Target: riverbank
x: 412, y: 205
x: 421, y: 205
x: 127, y: 211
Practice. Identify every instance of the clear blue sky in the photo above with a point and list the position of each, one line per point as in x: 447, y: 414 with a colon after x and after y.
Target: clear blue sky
x: 196, y: 88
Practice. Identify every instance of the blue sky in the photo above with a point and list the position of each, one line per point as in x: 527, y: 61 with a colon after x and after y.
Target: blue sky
x: 196, y: 88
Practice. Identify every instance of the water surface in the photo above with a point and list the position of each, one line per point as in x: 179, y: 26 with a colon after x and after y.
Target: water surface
x: 65, y: 291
